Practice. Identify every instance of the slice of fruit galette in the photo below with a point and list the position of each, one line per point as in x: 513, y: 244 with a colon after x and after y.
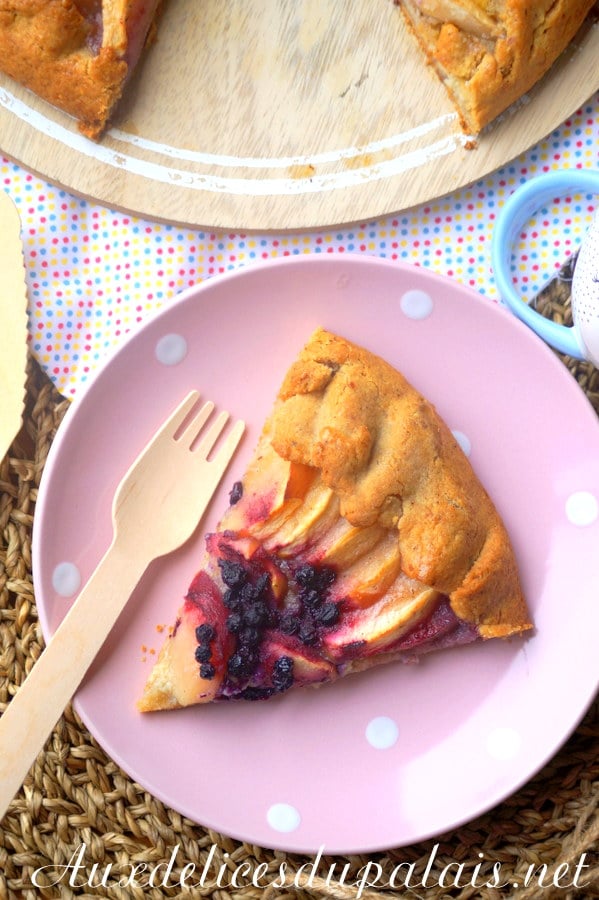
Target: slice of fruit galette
x: 489, y: 53
x: 76, y: 54
x: 358, y: 535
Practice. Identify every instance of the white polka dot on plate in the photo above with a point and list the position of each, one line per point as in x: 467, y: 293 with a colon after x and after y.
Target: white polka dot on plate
x: 504, y: 743
x: 382, y: 732
x: 416, y: 304
x: 283, y: 817
x: 582, y: 508
x: 66, y: 579
x: 171, y: 349
x: 464, y: 441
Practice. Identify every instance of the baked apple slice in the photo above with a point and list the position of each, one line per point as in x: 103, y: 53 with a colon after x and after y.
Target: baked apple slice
x: 359, y: 534
x: 76, y: 54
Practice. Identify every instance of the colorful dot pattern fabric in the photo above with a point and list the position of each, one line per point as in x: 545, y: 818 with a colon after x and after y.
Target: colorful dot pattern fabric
x: 94, y: 274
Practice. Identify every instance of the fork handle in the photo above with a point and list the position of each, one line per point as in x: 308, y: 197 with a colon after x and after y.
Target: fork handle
x: 42, y: 698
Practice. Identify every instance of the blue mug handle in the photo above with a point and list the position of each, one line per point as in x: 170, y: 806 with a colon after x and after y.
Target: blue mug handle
x: 516, y: 212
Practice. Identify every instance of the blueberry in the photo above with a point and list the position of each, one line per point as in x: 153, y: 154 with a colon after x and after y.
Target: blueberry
x: 282, y: 673
x: 311, y: 598
x: 289, y: 623
x: 325, y: 577
x: 236, y: 493
x: 328, y: 614
x: 257, y: 614
x: 234, y: 622
x: 249, y: 637
x: 232, y: 573
x: 283, y: 665
x: 255, y: 693
x: 307, y: 633
x: 250, y: 660
x: 248, y: 593
x: 205, y: 633
x: 305, y: 575
x: 262, y: 583
x: 235, y: 665
x: 242, y: 663
x: 203, y: 653
x: 318, y: 578
x: 207, y: 670
x: 231, y: 599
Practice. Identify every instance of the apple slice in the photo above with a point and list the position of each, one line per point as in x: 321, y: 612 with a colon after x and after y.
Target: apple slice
x: 278, y: 488
x: 366, y: 580
x: 309, y: 667
x: 345, y: 543
x: 365, y: 631
x: 469, y: 15
x: 269, y: 476
x: 305, y: 525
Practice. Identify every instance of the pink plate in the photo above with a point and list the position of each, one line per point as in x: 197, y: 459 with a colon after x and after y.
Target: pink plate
x: 398, y: 754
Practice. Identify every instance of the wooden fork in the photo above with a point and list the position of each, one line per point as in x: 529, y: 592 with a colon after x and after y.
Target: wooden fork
x: 156, y: 508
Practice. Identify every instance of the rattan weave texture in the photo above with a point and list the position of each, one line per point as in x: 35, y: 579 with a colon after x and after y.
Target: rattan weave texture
x: 77, y: 805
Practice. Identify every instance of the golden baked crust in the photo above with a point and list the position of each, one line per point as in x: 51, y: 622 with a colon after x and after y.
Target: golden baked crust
x: 489, y: 53
x: 390, y: 458
x: 76, y: 54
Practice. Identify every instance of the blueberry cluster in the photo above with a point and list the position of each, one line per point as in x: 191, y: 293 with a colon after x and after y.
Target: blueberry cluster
x: 255, y: 693
x: 317, y: 611
x: 250, y: 614
x: 205, y: 635
x: 251, y: 611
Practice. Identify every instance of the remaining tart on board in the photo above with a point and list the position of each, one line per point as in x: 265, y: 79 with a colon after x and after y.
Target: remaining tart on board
x: 358, y: 535
x: 78, y: 54
x: 488, y: 53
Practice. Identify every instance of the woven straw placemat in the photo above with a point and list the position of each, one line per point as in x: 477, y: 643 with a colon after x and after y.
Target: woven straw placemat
x: 77, y: 806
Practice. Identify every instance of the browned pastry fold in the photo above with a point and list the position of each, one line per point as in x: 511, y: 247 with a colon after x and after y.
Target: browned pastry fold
x: 489, y: 53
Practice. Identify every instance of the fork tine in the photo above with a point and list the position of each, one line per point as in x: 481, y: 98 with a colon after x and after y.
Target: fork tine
x: 175, y: 422
x: 205, y: 445
x: 221, y: 459
x: 230, y: 443
x: 191, y: 429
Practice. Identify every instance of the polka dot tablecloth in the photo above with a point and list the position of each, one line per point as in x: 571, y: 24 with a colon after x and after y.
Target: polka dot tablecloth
x: 94, y: 274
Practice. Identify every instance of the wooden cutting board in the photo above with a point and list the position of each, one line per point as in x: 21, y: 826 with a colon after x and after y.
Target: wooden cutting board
x: 284, y: 114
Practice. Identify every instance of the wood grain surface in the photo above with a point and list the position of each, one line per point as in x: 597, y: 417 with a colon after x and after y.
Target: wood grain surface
x: 277, y: 115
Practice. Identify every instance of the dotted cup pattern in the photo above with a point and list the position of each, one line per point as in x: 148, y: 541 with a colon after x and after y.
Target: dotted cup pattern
x: 93, y: 274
